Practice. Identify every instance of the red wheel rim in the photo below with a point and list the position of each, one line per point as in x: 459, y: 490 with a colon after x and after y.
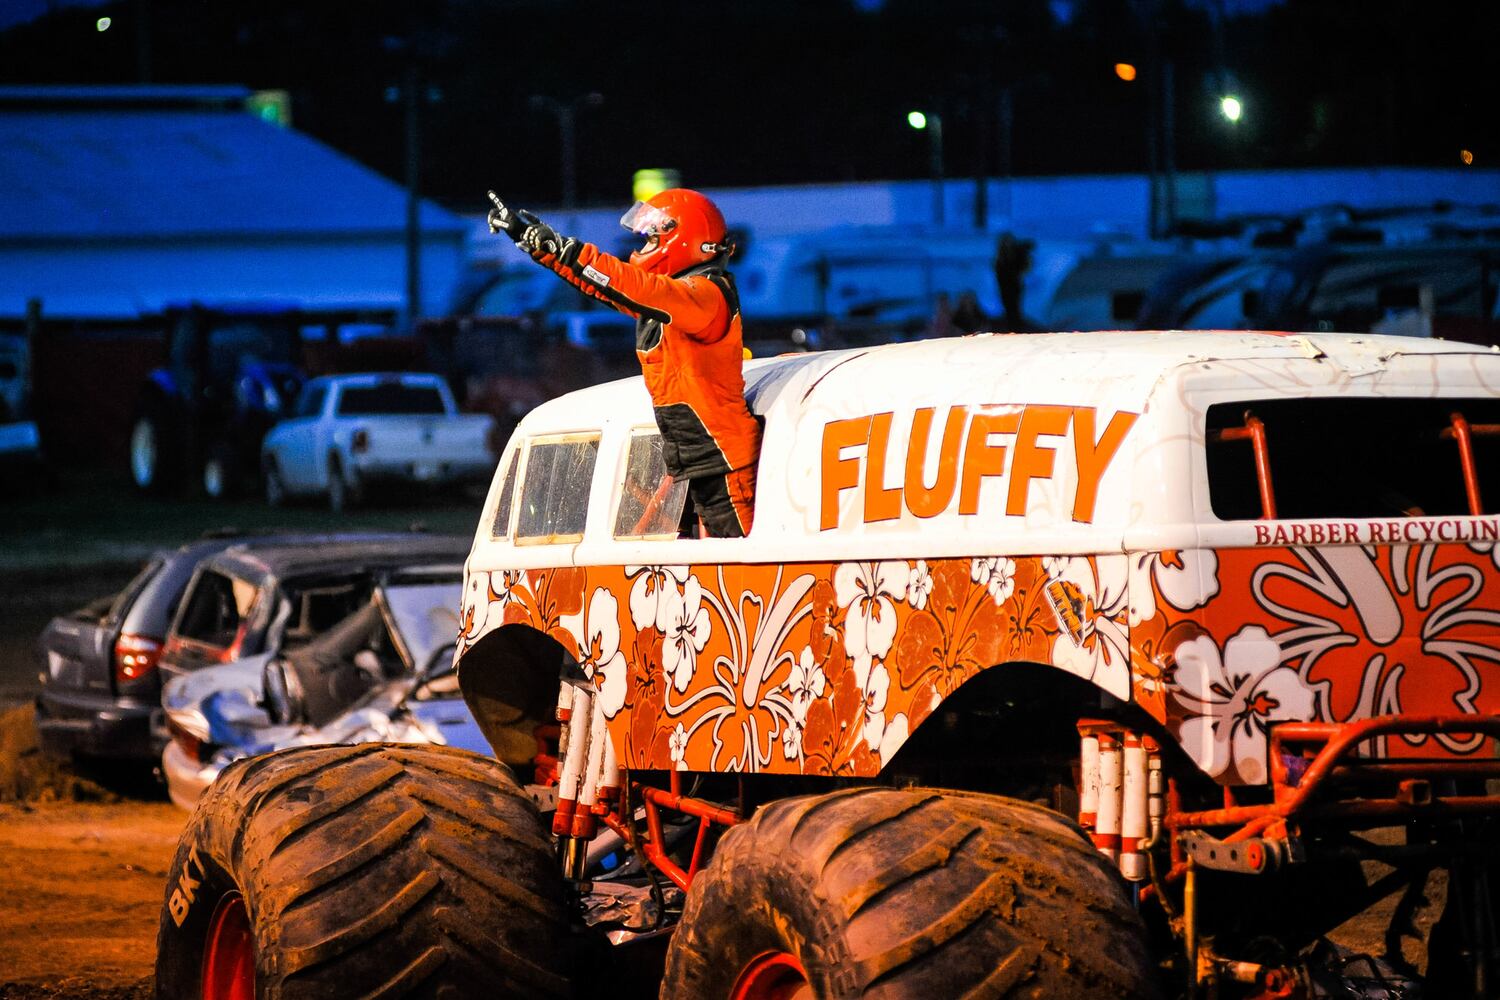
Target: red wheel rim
x: 229, y: 958
x: 772, y: 975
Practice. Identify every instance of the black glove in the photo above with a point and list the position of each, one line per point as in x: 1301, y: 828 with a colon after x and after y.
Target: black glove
x: 530, y: 233
x: 503, y: 219
x: 539, y: 239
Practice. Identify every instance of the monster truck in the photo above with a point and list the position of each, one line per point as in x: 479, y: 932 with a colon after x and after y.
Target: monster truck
x: 1073, y: 665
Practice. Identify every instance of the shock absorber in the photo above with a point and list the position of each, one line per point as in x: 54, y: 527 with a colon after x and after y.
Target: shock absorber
x: 585, y: 821
x: 1134, y: 824
x: 1120, y: 796
x: 568, y: 784
x: 1111, y: 775
x: 1088, y: 780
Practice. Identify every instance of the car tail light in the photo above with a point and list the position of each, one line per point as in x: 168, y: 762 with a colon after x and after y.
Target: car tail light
x: 135, y: 657
x: 191, y: 745
x: 360, y: 442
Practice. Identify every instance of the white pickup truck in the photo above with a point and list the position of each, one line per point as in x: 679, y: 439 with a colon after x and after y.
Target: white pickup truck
x: 350, y: 431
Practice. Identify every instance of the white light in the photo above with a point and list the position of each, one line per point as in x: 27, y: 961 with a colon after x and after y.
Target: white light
x: 1231, y: 107
x: 916, y: 120
x: 102, y: 24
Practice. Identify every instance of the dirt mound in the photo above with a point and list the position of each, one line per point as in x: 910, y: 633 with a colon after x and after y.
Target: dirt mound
x: 28, y: 775
x: 76, y: 988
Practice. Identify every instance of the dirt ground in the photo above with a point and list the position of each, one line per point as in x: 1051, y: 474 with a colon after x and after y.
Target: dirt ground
x: 82, y: 885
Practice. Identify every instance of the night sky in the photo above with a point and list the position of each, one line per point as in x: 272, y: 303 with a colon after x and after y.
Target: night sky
x: 792, y: 91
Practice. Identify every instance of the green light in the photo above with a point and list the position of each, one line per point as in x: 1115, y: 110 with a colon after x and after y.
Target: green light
x: 1231, y: 107
x: 102, y: 24
x: 646, y: 184
x: 916, y: 119
x: 273, y: 106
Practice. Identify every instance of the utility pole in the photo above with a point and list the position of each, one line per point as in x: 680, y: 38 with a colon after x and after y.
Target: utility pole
x: 937, y: 168
x: 567, y: 133
x: 1169, y: 139
x: 143, y: 41
x: 411, y: 99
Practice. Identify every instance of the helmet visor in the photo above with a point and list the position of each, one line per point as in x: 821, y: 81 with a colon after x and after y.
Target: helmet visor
x: 647, y: 220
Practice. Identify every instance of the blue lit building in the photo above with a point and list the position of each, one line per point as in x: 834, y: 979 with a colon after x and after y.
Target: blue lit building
x: 115, y: 201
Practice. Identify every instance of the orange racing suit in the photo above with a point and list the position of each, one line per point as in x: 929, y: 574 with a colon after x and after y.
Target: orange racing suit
x: 691, y: 350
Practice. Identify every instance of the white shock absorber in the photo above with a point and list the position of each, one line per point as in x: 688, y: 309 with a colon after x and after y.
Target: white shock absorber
x: 1156, y: 788
x: 564, y: 720
x: 609, y: 774
x: 585, y: 823
x: 1111, y: 773
x: 573, y: 762
x: 1088, y: 780
x: 1133, y: 817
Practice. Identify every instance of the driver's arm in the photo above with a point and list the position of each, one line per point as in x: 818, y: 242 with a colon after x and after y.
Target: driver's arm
x: 692, y: 305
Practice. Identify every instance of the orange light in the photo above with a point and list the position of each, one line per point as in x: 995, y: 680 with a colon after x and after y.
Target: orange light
x: 1467, y: 156
x: 1125, y: 71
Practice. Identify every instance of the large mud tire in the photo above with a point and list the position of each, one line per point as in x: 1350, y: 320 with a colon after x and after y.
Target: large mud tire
x: 367, y: 871
x: 904, y: 894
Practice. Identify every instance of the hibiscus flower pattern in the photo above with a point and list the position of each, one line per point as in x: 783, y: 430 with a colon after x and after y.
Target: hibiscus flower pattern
x: 686, y: 630
x: 653, y: 594
x: 1230, y: 699
x: 996, y: 574
x: 1090, y: 598
x: 868, y: 592
x: 598, y: 636
x: 677, y: 745
x: 1185, y: 579
x: 823, y: 668
x: 919, y: 586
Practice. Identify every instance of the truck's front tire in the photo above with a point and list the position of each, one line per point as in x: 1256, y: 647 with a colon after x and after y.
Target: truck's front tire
x: 372, y: 870
x: 889, y: 893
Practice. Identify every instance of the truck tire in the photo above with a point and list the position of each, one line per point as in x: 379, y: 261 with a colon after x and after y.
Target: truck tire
x: 220, y: 473
x: 152, y: 462
x: 275, y: 486
x: 343, y: 491
x: 877, y: 892
x: 373, y: 870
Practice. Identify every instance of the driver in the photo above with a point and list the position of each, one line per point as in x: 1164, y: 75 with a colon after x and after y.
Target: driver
x: 687, y: 338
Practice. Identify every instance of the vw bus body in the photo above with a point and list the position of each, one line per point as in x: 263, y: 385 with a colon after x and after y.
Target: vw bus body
x: 1200, y: 537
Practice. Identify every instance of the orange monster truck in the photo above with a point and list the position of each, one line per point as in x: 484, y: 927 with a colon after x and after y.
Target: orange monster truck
x: 1068, y: 665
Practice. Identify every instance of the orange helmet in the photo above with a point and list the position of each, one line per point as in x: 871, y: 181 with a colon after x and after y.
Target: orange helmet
x: 682, y: 229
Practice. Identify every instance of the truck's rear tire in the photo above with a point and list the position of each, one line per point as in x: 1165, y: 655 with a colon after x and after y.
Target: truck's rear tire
x: 275, y: 486
x: 344, y: 492
x: 888, y: 893
x: 371, y: 870
x: 219, y: 477
x: 152, y: 461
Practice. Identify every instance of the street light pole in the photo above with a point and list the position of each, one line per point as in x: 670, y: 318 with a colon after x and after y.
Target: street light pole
x: 933, y: 125
x: 937, y: 169
x: 567, y: 129
x: 412, y: 98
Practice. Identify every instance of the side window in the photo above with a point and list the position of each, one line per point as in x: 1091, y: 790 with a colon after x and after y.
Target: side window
x: 1397, y: 457
x: 218, y: 606
x: 555, y: 491
x: 650, y: 502
x: 503, y: 509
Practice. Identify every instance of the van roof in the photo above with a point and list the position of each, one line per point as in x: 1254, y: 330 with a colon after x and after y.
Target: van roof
x: 1044, y: 367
